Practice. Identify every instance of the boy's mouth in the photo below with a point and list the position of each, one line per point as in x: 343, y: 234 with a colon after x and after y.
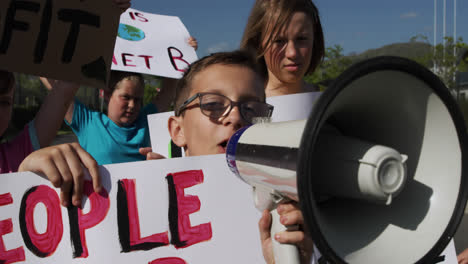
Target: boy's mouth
x: 223, y: 145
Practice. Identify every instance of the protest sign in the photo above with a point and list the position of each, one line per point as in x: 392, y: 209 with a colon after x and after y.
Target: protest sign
x: 189, y: 210
x: 287, y: 108
x: 64, y: 40
x: 152, y: 44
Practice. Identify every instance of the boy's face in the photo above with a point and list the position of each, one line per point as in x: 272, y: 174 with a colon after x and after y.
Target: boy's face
x: 125, y: 103
x: 199, y: 134
x: 6, y: 108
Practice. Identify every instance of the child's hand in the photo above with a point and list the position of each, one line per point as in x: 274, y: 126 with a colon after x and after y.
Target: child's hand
x: 150, y: 155
x: 290, y: 215
x: 193, y: 43
x: 264, y: 225
x: 463, y: 257
x: 63, y: 166
x: 123, y: 4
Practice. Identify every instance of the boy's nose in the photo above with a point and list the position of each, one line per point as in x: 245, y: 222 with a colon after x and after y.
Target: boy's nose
x: 234, y: 119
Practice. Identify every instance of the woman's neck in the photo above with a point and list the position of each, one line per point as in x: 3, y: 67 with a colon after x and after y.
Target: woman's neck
x: 275, y: 88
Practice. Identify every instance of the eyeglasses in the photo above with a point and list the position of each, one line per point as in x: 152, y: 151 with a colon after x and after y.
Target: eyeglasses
x: 215, y: 106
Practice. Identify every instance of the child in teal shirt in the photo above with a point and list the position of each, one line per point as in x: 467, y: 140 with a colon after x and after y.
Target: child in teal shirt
x: 117, y: 136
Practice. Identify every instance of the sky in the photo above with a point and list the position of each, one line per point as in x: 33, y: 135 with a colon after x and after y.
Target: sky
x: 355, y: 25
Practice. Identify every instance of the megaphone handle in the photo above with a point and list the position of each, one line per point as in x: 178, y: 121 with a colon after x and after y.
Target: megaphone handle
x: 284, y: 253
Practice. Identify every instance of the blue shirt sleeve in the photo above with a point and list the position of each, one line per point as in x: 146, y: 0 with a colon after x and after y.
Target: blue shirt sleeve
x: 81, y: 117
x: 33, y: 136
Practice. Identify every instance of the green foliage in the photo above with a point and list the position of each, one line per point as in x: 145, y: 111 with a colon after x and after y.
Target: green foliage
x: 333, y: 65
x: 443, y: 61
x: 29, y: 90
x: 152, y: 86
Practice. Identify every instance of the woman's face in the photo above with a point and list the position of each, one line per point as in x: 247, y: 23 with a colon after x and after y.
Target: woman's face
x: 289, y: 55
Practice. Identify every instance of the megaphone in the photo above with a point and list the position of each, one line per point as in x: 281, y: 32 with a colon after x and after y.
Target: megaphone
x: 378, y: 167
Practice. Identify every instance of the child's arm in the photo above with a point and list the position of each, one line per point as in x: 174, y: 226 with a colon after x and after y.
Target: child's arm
x: 57, y: 104
x: 290, y: 215
x: 63, y: 166
x: 167, y: 94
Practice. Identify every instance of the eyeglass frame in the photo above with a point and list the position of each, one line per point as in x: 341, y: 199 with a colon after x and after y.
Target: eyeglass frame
x: 184, y: 105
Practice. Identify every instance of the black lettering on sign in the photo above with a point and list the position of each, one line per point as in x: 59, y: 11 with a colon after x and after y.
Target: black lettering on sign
x: 76, y: 18
x: 12, y: 24
x: 41, y: 43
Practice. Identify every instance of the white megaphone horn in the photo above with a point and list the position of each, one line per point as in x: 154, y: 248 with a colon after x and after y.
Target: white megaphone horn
x: 378, y: 168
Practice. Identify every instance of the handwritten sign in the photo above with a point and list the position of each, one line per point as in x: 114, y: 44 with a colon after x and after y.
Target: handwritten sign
x: 190, y: 210
x: 152, y: 44
x: 66, y: 40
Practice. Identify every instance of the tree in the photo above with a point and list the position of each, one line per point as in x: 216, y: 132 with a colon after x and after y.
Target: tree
x: 333, y: 65
x: 29, y: 90
x: 443, y: 61
x: 152, y: 86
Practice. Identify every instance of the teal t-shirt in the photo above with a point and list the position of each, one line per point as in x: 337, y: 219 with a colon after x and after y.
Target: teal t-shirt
x: 106, y: 141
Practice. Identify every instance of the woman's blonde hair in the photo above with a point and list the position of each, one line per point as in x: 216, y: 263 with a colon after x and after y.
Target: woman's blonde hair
x: 272, y: 16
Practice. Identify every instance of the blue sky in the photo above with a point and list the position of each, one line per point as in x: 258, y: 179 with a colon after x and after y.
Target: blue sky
x: 356, y: 25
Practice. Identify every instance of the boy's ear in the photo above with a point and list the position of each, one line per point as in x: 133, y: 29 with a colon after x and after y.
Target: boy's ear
x: 176, y: 130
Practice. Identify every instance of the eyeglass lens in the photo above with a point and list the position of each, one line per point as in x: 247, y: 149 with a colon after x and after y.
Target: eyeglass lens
x: 215, y: 106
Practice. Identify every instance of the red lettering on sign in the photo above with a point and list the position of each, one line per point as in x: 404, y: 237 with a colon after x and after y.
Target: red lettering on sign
x: 79, y: 222
x: 141, y: 17
x: 129, y: 222
x: 125, y: 60
x: 147, y: 62
x: 128, y: 58
x: 171, y: 260
x: 138, y: 16
x: 181, y: 206
x: 6, y: 227
x: 177, y: 59
x: 42, y: 245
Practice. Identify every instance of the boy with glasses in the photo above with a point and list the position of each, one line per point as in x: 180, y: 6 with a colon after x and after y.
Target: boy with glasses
x: 217, y: 95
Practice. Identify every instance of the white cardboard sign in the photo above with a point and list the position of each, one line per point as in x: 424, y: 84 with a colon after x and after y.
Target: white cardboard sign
x: 152, y: 44
x: 214, y: 221
x: 64, y: 40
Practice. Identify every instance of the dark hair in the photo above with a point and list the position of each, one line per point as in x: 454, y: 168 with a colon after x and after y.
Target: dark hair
x: 272, y: 16
x: 238, y: 57
x: 7, y: 81
x: 117, y: 76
